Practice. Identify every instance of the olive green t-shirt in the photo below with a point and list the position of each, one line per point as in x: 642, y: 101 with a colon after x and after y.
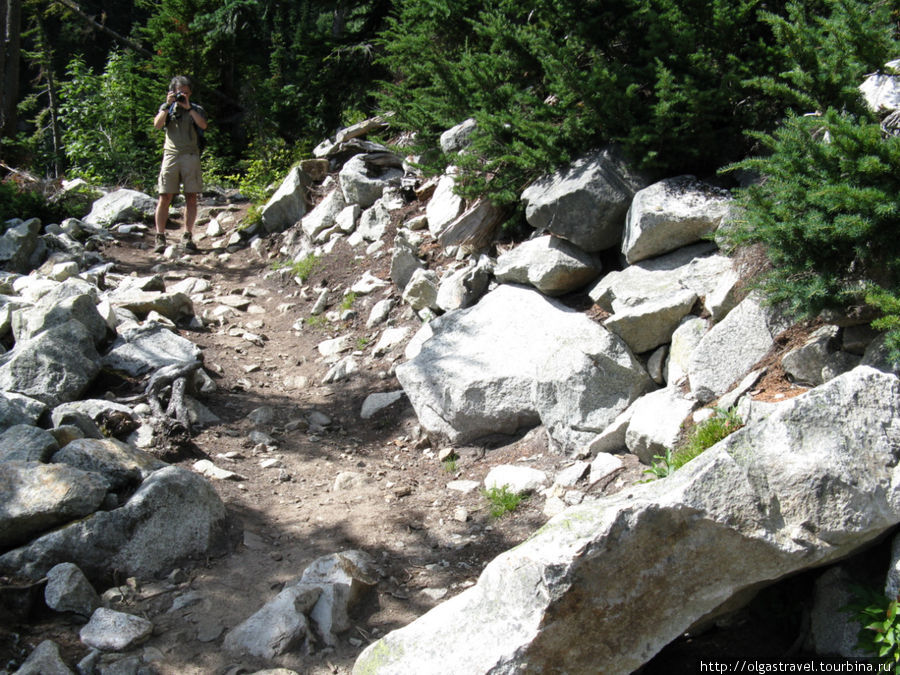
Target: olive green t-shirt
x: 181, y: 132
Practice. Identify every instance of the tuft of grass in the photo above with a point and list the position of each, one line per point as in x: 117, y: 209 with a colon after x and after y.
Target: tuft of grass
x: 502, y: 500
x: 707, y: 434
x: 302, y: 269
x: 702, y: 437
x: 316, y: 321
x: 361, y: 343
x: 348, y: 300
x: 450, y: 464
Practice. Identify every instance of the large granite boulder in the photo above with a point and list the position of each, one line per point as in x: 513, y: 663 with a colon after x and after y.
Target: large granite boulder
x: 18, y: 244
x: 122, y: 206
x: 35, y: 497
x: 814, y: 481
x: 175, y: 515
x: 54, y: 366
x: 585, y: 203
x: 364, y: 177
x: 288, y: 204
x: 517, y: 359
x: 552, y: 265
x: 670, y: 214
x: 732, y: 347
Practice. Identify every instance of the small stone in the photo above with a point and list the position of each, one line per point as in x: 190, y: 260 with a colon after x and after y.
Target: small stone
x: 113, y: 631
x: 461, y: 514
x: 68, y: 590
x: 464, y: 486
x: 434, y: 593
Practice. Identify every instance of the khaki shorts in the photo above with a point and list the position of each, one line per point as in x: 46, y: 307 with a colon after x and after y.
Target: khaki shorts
x: 177, y: 169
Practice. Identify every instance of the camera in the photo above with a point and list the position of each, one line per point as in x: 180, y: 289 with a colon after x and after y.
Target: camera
x: 180, y: 97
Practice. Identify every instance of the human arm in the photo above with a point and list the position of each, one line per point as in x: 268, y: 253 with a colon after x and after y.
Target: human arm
x: 160, y: 120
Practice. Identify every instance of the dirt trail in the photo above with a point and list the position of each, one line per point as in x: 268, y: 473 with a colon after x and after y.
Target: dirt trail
x: 430, y: 542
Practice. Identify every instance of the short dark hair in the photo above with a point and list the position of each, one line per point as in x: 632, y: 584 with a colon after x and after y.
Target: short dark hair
x: 180, y: 81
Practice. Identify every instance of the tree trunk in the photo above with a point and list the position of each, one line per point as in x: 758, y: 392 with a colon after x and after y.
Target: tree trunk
x: 12, y: 29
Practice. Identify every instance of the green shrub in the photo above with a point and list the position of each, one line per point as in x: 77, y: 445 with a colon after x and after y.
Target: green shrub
x: 107, y: 130
x: 826, y: 213
x: 502, y: 500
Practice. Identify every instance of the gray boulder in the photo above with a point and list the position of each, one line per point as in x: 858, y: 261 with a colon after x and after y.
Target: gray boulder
x: 19, y: 409
x: 464, y: 287
x: 656, y: 422
x: 421, y: 290
x: 174, y: 516
x: 35, y: 497
x: 121, y: 206
x: 27, y: 443
x: 585, y: 203
x: 322, y: 218
x: 651, y: 324
x: 881, y: 91
x: 44, y: 660
x: 517, y: 359
x: 68, y: 590
x: 173, y: 306
x: 737, y: 516
x: 122, y: 465
x: 18, y: 244
x: 112, y: 631
x: 691, y: 268
x: 404, y: 261
x: 141, y: 349
x: 280, y: 625
x: 53, y: 311
x: 288, y: 204
x: 55, y: 366
x: 373, y: 222
x: 458, y: 138
x: 473, y: 230
x: 444, y: 206
x: 731, y: 348
x: 552, y: 265
x: 342, y: 579
x: 364, y: 177
x: 670, y: 214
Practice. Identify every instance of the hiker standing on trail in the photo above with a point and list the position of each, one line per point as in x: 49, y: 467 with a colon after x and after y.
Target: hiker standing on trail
x: 184, y: 123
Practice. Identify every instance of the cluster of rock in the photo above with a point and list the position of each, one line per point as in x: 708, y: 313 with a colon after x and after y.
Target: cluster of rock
x: 81, y: 495
x: 807, y: 481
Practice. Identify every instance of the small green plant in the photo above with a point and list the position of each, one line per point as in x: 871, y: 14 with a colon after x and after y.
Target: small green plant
x: 879, y: 621
x: 348, y: 300
x: 502, y: 500
x: 660, y: 467
x: 361, y: 343
x: 450, y: 464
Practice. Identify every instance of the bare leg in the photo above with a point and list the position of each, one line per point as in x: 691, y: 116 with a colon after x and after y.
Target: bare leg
x: 190, y: 211
x: 162, y: 212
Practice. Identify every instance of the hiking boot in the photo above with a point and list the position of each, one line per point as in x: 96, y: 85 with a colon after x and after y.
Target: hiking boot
x: 188, y: 242
x: 160, y: 243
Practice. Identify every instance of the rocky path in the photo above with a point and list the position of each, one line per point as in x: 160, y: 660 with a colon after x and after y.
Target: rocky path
x: 310, y: 476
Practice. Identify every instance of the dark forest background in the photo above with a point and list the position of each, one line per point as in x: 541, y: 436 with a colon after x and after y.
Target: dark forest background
x: 710, y: 87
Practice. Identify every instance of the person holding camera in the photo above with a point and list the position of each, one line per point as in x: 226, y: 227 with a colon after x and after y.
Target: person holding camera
x: 184, y: 123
